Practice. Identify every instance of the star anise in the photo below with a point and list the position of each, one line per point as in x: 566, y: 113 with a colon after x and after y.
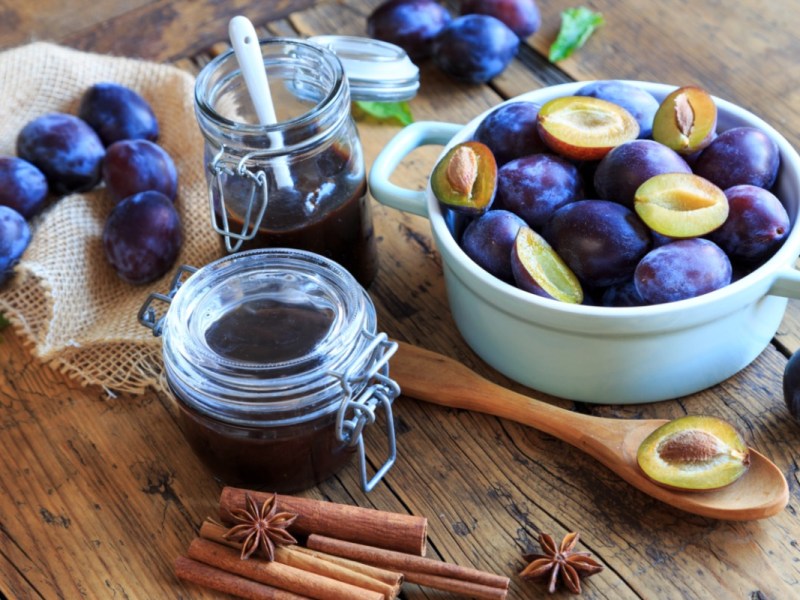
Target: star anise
x: 262, y: 528
x: 560, y: 559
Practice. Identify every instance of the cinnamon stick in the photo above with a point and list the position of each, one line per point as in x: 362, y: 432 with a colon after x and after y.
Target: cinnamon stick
x: 228, y: 583
x: 381, y: 529
x: 405, y: 563
x: 276, y: 574
x: 468, y: 589
x: 391, y: 577
x: 387, y: 585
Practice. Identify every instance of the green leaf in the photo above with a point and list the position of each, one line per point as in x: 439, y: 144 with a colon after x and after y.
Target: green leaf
x: 3, y: 321
x: 386, y: 111
x: 577, y: 24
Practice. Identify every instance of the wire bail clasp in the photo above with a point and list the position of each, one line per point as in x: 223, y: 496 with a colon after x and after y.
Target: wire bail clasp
x: 148, y: 316
x: 379, y: 390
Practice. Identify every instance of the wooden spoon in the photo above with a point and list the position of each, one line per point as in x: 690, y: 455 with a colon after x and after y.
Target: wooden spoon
x: 761, y: 492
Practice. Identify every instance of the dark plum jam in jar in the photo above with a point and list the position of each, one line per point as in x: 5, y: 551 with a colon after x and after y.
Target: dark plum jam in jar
x: 275, y: 363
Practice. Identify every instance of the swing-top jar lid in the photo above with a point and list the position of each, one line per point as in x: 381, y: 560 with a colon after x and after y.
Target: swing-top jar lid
x: 377, y: 71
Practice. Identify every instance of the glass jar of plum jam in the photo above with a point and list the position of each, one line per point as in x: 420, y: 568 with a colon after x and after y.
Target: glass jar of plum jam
x: 276, y: 365
x: 300, y: 182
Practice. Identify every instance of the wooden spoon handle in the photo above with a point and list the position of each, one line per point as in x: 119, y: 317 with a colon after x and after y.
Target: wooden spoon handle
x: 435, y: 378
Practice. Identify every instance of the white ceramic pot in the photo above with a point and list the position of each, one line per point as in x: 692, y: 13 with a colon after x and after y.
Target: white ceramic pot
x: 602, y: 354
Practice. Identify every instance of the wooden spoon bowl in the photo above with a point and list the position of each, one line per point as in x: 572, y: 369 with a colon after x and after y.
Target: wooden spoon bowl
x: 761, y: 492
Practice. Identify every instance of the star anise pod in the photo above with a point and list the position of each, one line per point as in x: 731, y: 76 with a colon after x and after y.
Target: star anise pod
x: 560, y: 559
x: 262, y: 528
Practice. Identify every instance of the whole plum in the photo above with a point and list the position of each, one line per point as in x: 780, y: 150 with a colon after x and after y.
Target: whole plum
x: 535, y: 186
x: 116, y: 113
x: 133, y: 166
x: 601, y: 241
x: 791, y: 385
x: 620, y: 173
x: 23, y: 187
x: 521, y: 16
x: 621, y: 295
x: 142, y: 237
x: 474, y: 48
x: 637, y: 101
x: 741, y: 155
x: 683, y: 269
x: 410, y: 24
x: 65, y: 149
x: 488, y: 241
x: 15, y: 235
x: 756, y: 226
x: 510, y: 131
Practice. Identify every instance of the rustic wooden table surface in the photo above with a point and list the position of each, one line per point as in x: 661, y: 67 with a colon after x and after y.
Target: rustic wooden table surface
x: 98, y: 495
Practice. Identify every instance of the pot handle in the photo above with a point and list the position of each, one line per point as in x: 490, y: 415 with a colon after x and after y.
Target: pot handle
x: 411, y: 137
x: 786, y: 284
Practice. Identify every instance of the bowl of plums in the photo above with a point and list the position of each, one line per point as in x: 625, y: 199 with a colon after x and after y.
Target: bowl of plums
x: 613, y: 241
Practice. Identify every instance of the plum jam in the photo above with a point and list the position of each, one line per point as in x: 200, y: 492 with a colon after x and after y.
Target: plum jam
x: 297, y: 183
x: 274, y: 360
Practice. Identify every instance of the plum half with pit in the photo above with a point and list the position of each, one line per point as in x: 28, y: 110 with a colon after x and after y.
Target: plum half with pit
x: 538, y: 269
x: 15, y: 235
x: 465, y: 179
x: 535, y: 186
x: 686, y: 120
x: 510, y: 131
x: 601, y: 241
x: 637, y: 101
x: 65, y: 149
x: 620, y: 173
x: 585, y: 128
x: 756, y: 226
x: 682, y: 269
x: 410, y: 24
x: 741, y: 155
x: 474, y: 48
x: 521, y: 16
x: 117, y: 112
x: 23, y: 187
x: 488, y: 241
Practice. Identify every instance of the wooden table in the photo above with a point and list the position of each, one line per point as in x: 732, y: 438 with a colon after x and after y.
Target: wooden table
x: 99, y: 495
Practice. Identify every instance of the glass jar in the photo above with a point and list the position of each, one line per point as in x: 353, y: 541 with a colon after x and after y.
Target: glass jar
x: 299, y: 183
x: 276, y: 365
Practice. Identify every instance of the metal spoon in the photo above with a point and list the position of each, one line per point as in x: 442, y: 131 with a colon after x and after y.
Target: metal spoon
x: 761, y: 492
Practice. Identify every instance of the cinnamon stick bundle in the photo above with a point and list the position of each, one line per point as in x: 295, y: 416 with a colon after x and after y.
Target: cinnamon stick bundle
x: 416, y: 569
x: 371, y: 527
x: 364, y: 576
x: 228, y: 583
x: 276, y: 574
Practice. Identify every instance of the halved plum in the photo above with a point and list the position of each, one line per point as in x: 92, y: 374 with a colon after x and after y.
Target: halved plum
x: 694, y: 453
x: 686, y: 120
x: 681, y: 205
x: 539, y: 270
x: 465, y: 180
x: 585, y: 128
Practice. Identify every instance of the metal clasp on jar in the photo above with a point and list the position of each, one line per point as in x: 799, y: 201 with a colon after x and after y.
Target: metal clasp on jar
x: 148, y: 316
x: 219, y: 167
x: 378, y: 389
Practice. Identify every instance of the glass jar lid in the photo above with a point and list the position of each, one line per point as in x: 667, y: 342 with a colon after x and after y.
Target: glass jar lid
x: 377, y: 71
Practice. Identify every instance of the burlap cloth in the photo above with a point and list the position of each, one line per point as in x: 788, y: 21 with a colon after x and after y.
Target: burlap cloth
x: 65, y: 299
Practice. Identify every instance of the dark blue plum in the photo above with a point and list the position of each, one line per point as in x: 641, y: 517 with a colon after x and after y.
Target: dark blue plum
x: 15, y: 235
x: 510, y: 131
x: 65, y: 149
x: 410, y: 24
x: 622, y: 295
x: 742, y: 155
x: 640, y: 103
x: 23, y: 187
x: 620, y: 172
x: 681, y: 270
x: 601, y: 241
x: 756, y: 226
x: 489, y: 240
x: 521, y: 16
x: 116, y: 113
x: 474, y: 48
x: 534, y: 187
x: 142, y: 237
x: 133, y: 166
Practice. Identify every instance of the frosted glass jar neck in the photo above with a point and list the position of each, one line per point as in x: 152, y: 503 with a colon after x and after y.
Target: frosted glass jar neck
x: 309, y: 89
